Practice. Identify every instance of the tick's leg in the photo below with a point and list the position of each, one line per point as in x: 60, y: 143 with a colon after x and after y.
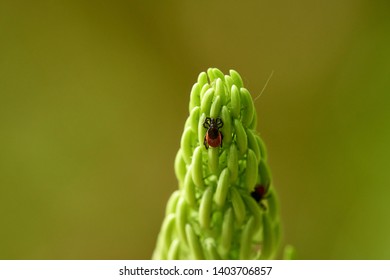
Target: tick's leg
x: 205, y: 143
x: 206, y: 123
x: 221, y: 139
x: 219, y: 123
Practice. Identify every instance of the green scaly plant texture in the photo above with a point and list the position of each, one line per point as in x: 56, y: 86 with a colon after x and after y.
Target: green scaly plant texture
x: 214, y: 214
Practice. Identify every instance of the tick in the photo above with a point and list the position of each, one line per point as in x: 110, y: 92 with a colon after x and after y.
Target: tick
x: 259, y: 193
x: 213, y: 136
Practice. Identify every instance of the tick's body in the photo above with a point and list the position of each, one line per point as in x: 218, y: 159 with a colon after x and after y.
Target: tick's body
x: 213, y: 136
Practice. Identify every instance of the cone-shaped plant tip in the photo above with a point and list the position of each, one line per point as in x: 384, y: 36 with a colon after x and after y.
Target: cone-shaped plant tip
x: 225, y: 206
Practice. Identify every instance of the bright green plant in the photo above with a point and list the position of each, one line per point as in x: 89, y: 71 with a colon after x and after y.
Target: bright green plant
x: 215, y: 213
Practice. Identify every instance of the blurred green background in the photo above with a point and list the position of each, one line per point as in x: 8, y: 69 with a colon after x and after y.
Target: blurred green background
x: 94, y: 96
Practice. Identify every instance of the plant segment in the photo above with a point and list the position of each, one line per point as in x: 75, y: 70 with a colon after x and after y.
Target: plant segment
x: 226, y: 206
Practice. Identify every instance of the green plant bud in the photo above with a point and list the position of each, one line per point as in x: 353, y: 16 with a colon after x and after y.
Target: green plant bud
x: 210, y: 74
x: 218, y: 73
x: 251, y: 170
x: 213, y: 160
x: 220, y: 90
x: 241, y: 137
x: 180, y: 168
x: 187, y: 123
x: 205, y: 208
x: 197, y: 167
x: 248, y: 107
x: 253, y: 124
x: 235, y: 102
x: 189, y: 189
x: 253, y: 144
x: 216, y: 107
x: 194, y: 243
x: 246, y: 240
x: 173, y: 253
x: 223, y: 158
x: 236, y: 78
x: 263, y: 150
x: 201, y: 129
x: 168, y: 227
x: 264, y: 174
x: 216, y: 218
x: 203, y: 91
x: 272, y: 204
x: 194, y: 119
x: 238, y: 206
x: 233, y: 162
x: 222, y: 188
x: 205, y: 103
x: 202, y: 79
x: 195, y: 96
x: 186, y: 145
x: 181, y: 220
x: 227, y: 232
x: 229, y: 82
x: 227, y: 126
x: 172, y: 203
x: 268, y: 238
x: 256, y: 211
